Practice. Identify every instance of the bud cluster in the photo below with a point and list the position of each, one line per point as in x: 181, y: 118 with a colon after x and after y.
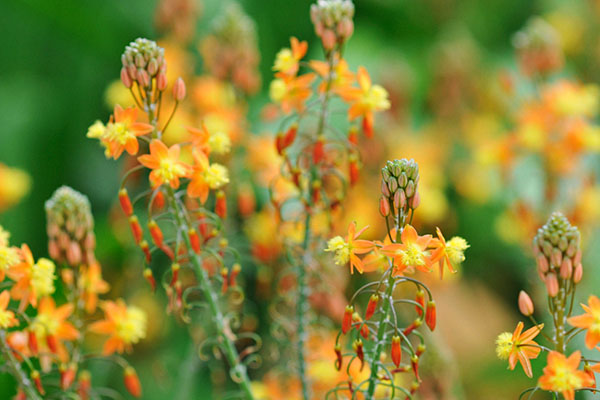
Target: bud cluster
x: 399, y: 187
x: 70, y: 227
x: 333, y: 21
x: 557, y: 252
x: 142, y: 61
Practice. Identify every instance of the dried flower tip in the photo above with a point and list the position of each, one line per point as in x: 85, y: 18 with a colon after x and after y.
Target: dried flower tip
x: 525, y: 304
x: 357, y: 345
x: 339, y: 359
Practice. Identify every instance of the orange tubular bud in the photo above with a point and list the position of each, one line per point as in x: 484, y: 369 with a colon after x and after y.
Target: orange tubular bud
x: 175, y: 270
x: 32, y: 342
x: 279, y: 143
x: 52, y: 343
x: 353, y: 172
x: 353, y: 135
x: 146, y: 249
x: 235, y: 270
x: 420, y: 349
x: 414, y: 325
x: 420, y: 298
x: 132, y: 382
x: 150, y: 278
x: 37, y: 380
x: 319, y: 150
x: 67, y: 375
x: 125, y: 202
x: 290, y: 135
x: 85, y: 385
x: 339, y: 359
x: 156, y: 233
x: 225, y: 276
x: 159, y: 201
x: 221, y: 204
x: 367, y: 126
x: 179, y: 89
x: 525, y: 304
x: 246, y: 200
x: 396, y: 351
x: 136, y: 229
x: 20, y: 395
x: 316, y: 191
x: 371, y: 306
x: 194, y: 240
x: 430, y: 315
x: 552, y: 284
x: 347, y: 319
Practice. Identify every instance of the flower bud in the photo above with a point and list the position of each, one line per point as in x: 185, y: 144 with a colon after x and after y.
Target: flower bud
x: 125, y: 78
x: 525, y: 304
x: 384, y: 206
x: 194, y: 240
x: 371, y: 306
x: 37, y: 380
x: 221, y: 204
x: 136, y: 229
x: 125, y: 202
x: 396, y: 351
x: 146, y: 249
x: 339, y: 359
x: 179, y: 89
x: 347, y: 319
x: 430, y: 315
x: 132, y: 382
x: 566, y: 268
x: 161, y: 82
x: 578, y: 273
x: 552, y: 284
x: 420, y: 299
x: 150, y: 278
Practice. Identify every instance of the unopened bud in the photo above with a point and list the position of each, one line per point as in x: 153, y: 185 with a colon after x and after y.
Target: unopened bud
x: 525, y: 304
x: 179, y: 89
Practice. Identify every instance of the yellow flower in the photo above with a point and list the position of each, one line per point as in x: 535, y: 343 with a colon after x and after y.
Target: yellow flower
x: 219, y: 142
x: 4, y: 236
x: 455, y: 249
x: 7, y: 317
x: 504, y: 345
x: 216, y: 176
x: 341, y: 249
x: 277, y: 90
x: 42, y: 277
x: 125, y: 325
x: 9, y: 256
x: 284, y: 60
x: 96, y: 130
x: 133, y: 327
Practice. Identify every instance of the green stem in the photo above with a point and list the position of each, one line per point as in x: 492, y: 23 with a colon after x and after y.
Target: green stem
x: 559, y: 327
x: 301, y: 310
x: 380, y: 336
x: 222, y: 327
x: 16, y: 370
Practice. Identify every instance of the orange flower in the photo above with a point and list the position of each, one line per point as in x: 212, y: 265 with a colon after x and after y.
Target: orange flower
x: 291, y: 92
x: 33, y: 280
x: 165, y: 165
x: 590, y: 321
x: 347, y: 250
x: 450, y: 253
x: 342, y: 76
x: 519, y: 347
x: 376, y: 259
x: 121, y: 134
x: 365, y: 100
x: 287, y: 60
x: 562, y: 375
x: 91, y: 284
x: 412, y: 252
x: 199, y: 138
x: 205, y: 176
x: 7, y: 317
x: 51, y: 327
x: 124, y: 325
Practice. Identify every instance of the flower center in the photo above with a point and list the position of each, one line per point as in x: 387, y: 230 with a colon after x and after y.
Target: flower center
x: 216, y: 176
x: 42, y: 277
x: 413, y: 255
x: 132, y: 328
x: 504, y: 345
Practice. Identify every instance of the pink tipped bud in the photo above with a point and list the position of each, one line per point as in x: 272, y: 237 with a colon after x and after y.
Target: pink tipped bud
x: 161, y: 81
x: 578, y: 273
x: 179, y: 90
x: 542, y: 263
x: 384, y: 206
x: 525, y: 304
x: 566, y: 268
x: 556, y: 258
x: 143, y: 78
x: 552, y: 284
x: 328, y: 39
x: 125, y: 78
x: 415, y: 201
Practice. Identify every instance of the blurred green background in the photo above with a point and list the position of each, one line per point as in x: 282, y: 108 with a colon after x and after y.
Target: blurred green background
x: 57, y: 58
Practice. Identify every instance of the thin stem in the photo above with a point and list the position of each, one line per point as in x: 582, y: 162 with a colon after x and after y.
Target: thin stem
x: 16, y: 370
x: 237, y: 368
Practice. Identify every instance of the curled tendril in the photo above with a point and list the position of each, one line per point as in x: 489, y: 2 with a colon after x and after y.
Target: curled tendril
x: 237, y: 373
x: 254, y: 346
x: 206, y: 347
x: 236, y: 295
x: 233, y: 320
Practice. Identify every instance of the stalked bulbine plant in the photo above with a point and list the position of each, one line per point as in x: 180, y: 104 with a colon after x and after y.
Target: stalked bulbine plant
x: 558, y: 256
x: 320, y: 159
x: 42, y: 337
x: 381, y: 329
x: 183, y: 207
